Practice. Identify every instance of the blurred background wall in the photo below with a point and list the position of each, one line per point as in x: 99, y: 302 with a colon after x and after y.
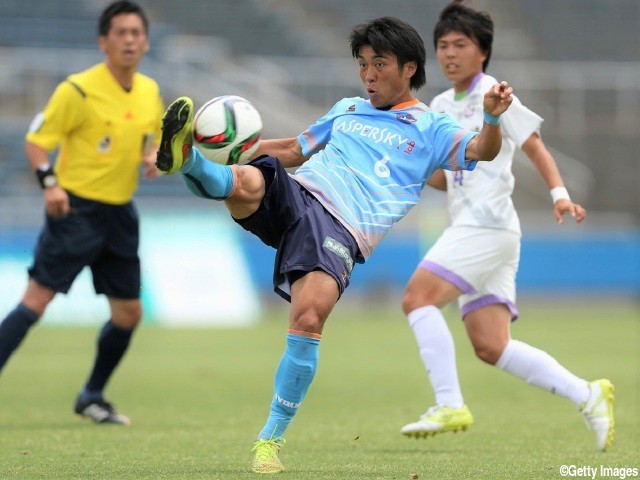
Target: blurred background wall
x: 574, y: 62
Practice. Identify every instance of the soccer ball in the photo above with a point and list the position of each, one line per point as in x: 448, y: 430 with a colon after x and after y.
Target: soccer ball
x: 227, y: 129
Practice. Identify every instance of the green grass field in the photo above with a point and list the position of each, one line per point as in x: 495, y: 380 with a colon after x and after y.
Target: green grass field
x: 198, y: 398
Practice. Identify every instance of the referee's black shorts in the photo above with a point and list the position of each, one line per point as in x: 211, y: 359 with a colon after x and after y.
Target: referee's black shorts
x: 95, y: 234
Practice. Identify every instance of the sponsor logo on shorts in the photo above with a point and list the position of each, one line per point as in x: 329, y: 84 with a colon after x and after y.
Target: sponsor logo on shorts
x: 286, y: 403
x: 340, y: 250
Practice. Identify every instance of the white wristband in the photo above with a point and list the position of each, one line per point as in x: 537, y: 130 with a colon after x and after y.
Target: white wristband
x: 559, y: 193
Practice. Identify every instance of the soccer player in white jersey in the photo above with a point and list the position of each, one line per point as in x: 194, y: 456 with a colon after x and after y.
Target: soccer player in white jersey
x: 475, y: 260
x: 361, y: 168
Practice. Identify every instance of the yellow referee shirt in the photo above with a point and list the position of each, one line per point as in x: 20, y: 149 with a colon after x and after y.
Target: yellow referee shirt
x: 102, y: 131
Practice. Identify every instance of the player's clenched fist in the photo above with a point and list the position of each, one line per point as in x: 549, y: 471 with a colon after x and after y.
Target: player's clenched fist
x: 498, y: 99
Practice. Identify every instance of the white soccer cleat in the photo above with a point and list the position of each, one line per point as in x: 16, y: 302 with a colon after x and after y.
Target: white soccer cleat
x: 439, y: 419
x: 598, y: 412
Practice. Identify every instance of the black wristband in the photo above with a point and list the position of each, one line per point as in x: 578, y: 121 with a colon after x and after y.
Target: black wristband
x: 46, y: 178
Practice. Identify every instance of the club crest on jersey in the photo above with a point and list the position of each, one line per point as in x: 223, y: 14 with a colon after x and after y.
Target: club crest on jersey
x: 468, y: 112
x: 352, y: 108
x: 406, y: 118
x: 105, y: 144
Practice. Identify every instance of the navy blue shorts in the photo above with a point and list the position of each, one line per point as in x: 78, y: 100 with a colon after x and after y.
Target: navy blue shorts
x: 305, y: 235
x: 102, y: 236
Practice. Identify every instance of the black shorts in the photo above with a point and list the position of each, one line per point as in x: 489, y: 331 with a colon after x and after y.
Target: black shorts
x: 306, y: 236
x: 95, y: 234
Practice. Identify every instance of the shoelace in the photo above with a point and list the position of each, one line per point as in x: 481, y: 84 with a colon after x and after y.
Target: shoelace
x: 267, y: 449
x: 431, y: 411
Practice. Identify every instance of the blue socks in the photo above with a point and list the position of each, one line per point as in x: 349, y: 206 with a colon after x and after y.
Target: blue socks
x: 112, y: 343
x: 293, y: 378
x: 13, y: 329
x: 206, y: 179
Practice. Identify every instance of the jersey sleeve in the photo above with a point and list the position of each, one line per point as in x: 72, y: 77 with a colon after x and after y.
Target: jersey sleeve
x: 64, y: 112
x: 317, y: 135
x: 519, y: 123
x: 450, y: 141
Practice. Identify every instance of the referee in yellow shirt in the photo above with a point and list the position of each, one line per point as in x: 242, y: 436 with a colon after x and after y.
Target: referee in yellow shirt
x: 106, y: 123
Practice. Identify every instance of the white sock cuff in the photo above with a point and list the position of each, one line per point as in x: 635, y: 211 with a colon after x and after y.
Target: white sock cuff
x: 423, y: 313
x: 507, y: 353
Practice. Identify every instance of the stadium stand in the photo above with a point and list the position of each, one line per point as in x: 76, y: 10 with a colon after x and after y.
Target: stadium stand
x: 284, y: 54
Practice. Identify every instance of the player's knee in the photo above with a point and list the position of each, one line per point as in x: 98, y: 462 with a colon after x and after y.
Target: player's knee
x: 413, y: 299
x: 37, y: 298
x: 127, y: 316
x: 489, y: 352
x: 309, y: 322
x: 249, y: 184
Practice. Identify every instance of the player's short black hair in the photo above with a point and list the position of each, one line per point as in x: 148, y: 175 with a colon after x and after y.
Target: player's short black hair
x: 118, y: 8
x: 392, y: 35
x: 478, y: 26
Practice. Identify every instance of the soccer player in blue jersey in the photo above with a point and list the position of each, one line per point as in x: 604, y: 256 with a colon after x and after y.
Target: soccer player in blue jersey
x: 361, y: 168
x: 106, y: 122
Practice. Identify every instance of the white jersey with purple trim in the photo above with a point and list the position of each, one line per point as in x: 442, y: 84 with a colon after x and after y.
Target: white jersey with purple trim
x: 369, y: 166
x: 483, y: 198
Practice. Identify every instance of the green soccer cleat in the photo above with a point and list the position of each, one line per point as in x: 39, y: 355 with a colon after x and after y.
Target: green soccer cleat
x: 598, y: 412
x: 176, y: 142
x: 439, y: 419
x: 265, y: 457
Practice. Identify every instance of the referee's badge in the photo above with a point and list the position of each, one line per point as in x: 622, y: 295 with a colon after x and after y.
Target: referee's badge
x: 105, y: 144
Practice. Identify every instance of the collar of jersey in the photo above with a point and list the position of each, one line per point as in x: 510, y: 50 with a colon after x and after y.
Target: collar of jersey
x: 404, y: 105
x: 474, y: 82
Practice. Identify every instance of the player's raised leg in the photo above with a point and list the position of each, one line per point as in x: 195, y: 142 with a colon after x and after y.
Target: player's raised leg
x: 176, y: 153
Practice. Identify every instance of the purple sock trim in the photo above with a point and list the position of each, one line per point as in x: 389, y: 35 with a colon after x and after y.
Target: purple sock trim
x: 490, y: 300
x: 448, y: 275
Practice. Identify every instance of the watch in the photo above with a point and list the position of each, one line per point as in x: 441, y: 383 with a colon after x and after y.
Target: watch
x: 49, y: 181
x: 46, y: 177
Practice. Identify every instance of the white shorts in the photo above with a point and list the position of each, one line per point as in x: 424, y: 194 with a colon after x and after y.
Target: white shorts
x: 482, y: 262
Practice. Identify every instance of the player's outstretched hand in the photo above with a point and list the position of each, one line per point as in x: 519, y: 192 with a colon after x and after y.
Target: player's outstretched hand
x: 563, y: 206
x: 498, y: 99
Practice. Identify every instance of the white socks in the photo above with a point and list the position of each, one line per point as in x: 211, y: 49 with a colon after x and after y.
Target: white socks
x: 438, y: 354
x: 519, y: 359
x: 542, y: 370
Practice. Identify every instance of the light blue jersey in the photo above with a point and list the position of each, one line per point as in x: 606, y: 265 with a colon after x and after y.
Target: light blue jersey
x: 369, y: 166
